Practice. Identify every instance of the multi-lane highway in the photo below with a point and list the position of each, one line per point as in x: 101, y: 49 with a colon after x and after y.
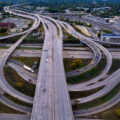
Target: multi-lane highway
x: 25, y: 74
x: 3, y: 83
x: 68, y: 53
x: 14, y: 105
x: 92, y: 46
x: 52, y: 101
x: 103, y: 49
x: 112, y: 83
x: 99, y: 84
x: 115, y: 100
x: 51, y: 97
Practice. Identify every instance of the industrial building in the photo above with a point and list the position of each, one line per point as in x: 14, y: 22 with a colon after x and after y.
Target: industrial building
x: 110, y: 37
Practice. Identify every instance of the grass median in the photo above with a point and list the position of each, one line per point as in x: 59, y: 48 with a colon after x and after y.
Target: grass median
x: 18, y: 83
x: 99, y: 101
x: 89, y: 74
x: 115, y: 65
x: 15, y: 100
x: 29, y: 61
x: 6, y: 109
x: 69, y: 61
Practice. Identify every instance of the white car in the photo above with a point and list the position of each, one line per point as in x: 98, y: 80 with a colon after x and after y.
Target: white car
x: 46, y: 60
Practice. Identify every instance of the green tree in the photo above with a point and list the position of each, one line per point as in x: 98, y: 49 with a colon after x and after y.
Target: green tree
x: 3, y: 30
x: 117, y: 112
x: 99, y: 34
x: 78, y: 63
x: 73, y: 66
x: 19, y: 84
x: 80, y: 15
x: 62, y: 18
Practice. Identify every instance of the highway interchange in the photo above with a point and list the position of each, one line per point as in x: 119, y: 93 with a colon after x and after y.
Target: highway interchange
x: 52, y: 100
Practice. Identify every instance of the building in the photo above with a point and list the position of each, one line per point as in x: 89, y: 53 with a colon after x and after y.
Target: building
x: 110, y: 38
x: 6, y: 25
x: 102, y: 9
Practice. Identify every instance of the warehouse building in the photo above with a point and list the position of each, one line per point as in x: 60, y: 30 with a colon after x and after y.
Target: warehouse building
x: 110, y: 38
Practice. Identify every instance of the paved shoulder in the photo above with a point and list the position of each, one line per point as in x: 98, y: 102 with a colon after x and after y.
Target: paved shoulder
x: 4, y: 116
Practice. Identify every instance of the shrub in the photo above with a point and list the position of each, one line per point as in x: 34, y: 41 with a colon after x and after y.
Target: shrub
x: 117, y: 112
x: 19, y: 84
x: 76, y: 64
x: 73, y: 66
x: 3, y: 30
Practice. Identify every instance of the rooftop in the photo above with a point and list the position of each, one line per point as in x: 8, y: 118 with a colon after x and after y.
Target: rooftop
x: 6, y: 25
x: 111, y: 35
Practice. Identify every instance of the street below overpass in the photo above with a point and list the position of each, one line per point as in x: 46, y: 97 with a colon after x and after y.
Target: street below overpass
x: 82, y: 54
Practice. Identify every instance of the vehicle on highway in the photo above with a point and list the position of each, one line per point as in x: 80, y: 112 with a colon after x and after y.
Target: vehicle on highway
x: 77, y: 70
x: 46, y: 60
x: 30, y: 80
x: 27, y: 68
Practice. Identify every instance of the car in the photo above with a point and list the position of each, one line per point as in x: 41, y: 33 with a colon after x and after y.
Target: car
x: 46, y: 60
x: 45, y: 50
x: 44, y: 90
x: 77, y: 70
